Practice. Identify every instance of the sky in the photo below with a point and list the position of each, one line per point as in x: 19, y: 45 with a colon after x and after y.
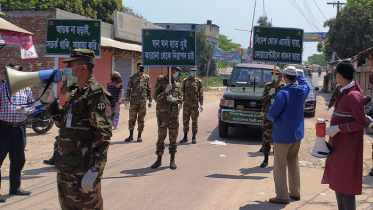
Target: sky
x: 238, y: 14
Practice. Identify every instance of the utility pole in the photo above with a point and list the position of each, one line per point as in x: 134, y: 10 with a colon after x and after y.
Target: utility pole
x: 338, y: 3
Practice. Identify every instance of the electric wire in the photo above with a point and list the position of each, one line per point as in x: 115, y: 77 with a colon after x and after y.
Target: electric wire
x: 312, y: 27
x: 306, y: 16
x: 320, y: 9
x: 310, y: 12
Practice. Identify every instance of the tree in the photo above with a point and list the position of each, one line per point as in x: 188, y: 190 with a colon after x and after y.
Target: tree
x: 360, y: 2
x: 263, y: 21
x: 204, y: 53
x: 318, y: 59
x: 95, y: 9
x: 227, y: 45
x: 350, y: 32
x: 320, y: 46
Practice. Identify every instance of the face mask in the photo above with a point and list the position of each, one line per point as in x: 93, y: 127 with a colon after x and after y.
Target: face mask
x: 176, y: 74
x: 69, y: 76
x: 193, y: 73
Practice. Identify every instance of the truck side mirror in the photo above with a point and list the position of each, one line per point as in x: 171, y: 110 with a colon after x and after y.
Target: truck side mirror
x: 225, y: 82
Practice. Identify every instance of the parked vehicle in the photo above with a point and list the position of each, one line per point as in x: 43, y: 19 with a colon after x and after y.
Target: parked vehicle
x: 310, y: 103
x: 241, y: 103
x: 39, y: 120
x: 368, y: 114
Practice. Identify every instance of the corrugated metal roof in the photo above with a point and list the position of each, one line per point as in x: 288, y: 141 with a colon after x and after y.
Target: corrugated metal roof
x: 106, y: 42
x: 5, y: 25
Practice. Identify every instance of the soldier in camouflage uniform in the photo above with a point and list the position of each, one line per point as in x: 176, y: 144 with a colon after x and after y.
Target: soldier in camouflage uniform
x: 167, y: 96
x: 268, y: 92
x: 84, y: 134
x: 138, y: 90
x: 193, y: 93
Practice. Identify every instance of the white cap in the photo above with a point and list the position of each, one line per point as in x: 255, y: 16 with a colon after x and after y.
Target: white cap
x: 290, y: 70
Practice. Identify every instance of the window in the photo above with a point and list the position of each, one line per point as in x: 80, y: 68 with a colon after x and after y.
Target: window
x: 246, y: 76
x: 181, y: 26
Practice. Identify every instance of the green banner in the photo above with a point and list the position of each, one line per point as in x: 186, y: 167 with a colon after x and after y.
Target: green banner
x: 242, y: 117
x: 64, y: 35
x: 278, y: 45
x: 165, y: 47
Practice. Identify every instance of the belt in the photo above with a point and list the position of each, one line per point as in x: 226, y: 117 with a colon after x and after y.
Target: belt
x: 13, y: 124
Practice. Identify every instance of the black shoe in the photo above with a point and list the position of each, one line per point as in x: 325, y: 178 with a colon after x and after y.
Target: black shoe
x: 2, y: 200
x: 139, y: 139
x: 172, y: 162
x: 19, y: 191
x: 261, y: 149
x: 157, y: 163
x: 52, y: 160
x: 371, y: 172
x: 264, y: 164
x: 194, y: 139
x: 130, y: 138
x: 185, y: 139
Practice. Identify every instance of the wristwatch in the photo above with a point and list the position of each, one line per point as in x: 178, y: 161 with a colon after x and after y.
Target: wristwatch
x: 94, y: 169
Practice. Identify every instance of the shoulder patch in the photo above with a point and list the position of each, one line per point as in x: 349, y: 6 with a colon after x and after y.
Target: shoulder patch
x: 96, y: 88
x: 101, y: 106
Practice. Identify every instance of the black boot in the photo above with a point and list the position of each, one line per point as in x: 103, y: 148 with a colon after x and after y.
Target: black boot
x: 185, y: 139
x: 139, y: 139
x: 194, y: 139
x: 371, y: 172
x: 265, y: 162
x: 51, y: 161
x: 261, y: 149
x: 172, y: 162
x: 130, y: 138
x: 157, y: 163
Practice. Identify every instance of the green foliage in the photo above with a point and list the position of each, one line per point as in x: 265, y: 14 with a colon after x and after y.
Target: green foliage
x: 360, y: 2
x: 320, y: 46
x: 350, y: 32
x: 96, y: 9
x: 216, y: 81
x: 317, y: 59
x: 227, y: 45
x: 204, y: 52
x: 263, y: 21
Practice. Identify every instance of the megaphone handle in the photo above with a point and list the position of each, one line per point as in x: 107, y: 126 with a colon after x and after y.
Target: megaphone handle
x: 50, y: 80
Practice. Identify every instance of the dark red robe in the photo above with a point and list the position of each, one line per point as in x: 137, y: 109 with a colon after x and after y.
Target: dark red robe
x: 344, y: 167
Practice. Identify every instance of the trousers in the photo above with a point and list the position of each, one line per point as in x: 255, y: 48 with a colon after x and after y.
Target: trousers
x: 13, y: 141
x: 345, y: 202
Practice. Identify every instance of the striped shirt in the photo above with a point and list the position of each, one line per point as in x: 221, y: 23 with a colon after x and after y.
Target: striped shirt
x: 114, y: 89
x: 8, y: 111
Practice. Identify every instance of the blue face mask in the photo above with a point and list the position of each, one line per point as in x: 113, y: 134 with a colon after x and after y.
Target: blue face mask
x: 69, y: 76
x: 193, y: 73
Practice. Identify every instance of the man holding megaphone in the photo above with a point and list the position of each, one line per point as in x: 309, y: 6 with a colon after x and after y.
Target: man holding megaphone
x: 84, y: 136
x: 344, y: 166
x: 13, y: 115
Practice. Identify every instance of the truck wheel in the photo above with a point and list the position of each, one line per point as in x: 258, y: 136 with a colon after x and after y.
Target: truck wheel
x: 223, y: 129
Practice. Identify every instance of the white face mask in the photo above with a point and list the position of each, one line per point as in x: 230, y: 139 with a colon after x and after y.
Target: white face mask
x: 176, y: 74
x: 71, y: 79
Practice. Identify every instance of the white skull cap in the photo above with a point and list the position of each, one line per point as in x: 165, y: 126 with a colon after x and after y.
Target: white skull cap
x: 290, y: 70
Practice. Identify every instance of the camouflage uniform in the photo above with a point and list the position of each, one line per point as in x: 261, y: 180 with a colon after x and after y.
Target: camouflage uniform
x: 267, y: 124
x: 167, y: 120
x: 337, y: 91
x: 193, y: 93
x: 83, y: 145
x: 138, y: 90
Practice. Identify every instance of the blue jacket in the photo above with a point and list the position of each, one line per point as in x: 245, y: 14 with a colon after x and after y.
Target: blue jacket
x: 287, y: 112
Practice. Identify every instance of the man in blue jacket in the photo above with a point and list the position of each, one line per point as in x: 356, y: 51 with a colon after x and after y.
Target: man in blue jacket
x: 287, y: 115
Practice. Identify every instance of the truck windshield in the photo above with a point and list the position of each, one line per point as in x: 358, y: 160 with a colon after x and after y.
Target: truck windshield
x: 245, y: 76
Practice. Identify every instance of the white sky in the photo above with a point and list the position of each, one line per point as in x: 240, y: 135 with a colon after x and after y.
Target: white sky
x: 237, y: 14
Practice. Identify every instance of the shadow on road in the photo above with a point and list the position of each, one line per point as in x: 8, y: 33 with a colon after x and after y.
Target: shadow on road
x: 263, y: 205
x: 256, y: 170
x: 250, y: 135
x: 227, y: 176
x: 139, y: 172
x: 37, y: 171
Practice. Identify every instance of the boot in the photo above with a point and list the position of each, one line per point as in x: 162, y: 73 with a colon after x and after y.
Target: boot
x: 139, y: 139
x: 172, y: 162
x: 51, y: 161
x: 157, y: 163
x: 185, y: 139
x: 194, y: 139
x: 130, y: 138
x: 265, y: 162
x: 261, y: 149
x: 371, y: 172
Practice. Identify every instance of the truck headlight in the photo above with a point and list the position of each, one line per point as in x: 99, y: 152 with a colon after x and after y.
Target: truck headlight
x: 229, y: 103
x: 311, y: 97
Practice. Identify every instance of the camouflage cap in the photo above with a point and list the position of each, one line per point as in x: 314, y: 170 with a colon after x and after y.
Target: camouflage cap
x: 193, y: 69
x: 81, y: 54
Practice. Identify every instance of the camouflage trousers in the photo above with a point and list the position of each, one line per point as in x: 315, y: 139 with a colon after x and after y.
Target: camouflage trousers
x: 137, y: 111
x: 172, y: 124
x: 72, y: 197
x: 266, y: 136
x: 190, y: 112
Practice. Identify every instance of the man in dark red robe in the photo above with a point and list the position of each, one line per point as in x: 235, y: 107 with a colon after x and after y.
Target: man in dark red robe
x: 344, y: 167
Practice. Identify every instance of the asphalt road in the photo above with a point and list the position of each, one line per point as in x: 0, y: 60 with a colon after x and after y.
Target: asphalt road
x: 208, y: 176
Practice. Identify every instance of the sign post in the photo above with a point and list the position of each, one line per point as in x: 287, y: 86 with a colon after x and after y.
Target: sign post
x: 171, y: 48
x: 64, y: 35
